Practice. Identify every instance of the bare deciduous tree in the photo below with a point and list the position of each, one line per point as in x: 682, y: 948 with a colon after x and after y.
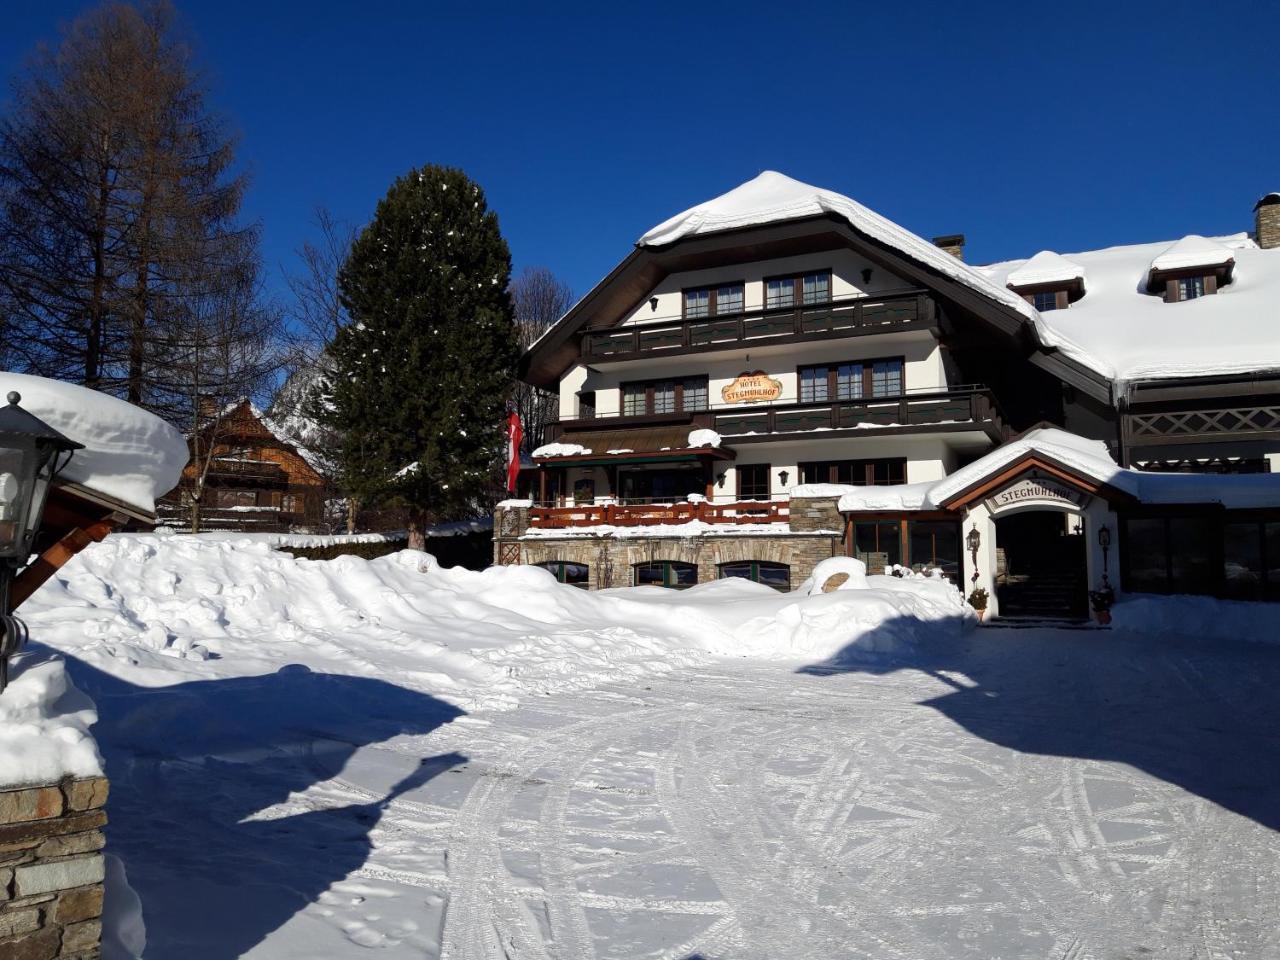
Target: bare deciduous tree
x: 540, y: 299
x: 118, y: 207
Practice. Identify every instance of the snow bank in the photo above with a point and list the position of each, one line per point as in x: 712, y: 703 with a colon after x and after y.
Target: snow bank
x: 129, y: 454
x: 44, y: 724
x: 158, y: 610
x: 703, y: 438
x: 560, y: 450
x: 853, y: 571
x: 1204, y: 618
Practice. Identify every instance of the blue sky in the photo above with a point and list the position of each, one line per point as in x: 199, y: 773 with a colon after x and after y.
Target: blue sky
x: 1071, y: 127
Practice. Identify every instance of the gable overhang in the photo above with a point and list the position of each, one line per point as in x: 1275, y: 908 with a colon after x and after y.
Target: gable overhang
x: 1002, y: 476
x: 632, y: 280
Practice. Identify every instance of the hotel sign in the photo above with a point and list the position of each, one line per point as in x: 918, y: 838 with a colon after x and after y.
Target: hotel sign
x: 1044, y: 491
x: 756, y: 387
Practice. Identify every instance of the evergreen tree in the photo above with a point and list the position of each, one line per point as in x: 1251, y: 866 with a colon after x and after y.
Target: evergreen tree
x: 422, y: 371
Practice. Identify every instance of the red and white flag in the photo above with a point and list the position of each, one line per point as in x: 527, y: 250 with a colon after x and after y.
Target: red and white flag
x: 514, y: 435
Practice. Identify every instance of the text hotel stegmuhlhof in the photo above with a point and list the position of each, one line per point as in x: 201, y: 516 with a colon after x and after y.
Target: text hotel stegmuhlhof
x: 1037, y: 490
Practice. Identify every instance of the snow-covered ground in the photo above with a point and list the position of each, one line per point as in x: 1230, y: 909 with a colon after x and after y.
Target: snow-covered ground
x: 313, y: 758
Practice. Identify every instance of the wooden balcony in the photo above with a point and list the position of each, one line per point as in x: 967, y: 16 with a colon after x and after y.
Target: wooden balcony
x: 248, y: 470
x: 908, y: 412
x: 1158, y: 428
x: 652, y: 514
x: 858, y: 316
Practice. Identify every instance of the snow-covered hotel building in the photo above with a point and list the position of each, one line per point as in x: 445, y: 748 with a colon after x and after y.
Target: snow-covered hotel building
x: 781, y: 374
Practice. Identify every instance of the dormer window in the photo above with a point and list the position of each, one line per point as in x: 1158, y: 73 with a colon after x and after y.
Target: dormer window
x: 1193, y: 267
x: 1046, y: 300
x: 1191, y: 287
x: 1048, y: 281
x: 713, y: 301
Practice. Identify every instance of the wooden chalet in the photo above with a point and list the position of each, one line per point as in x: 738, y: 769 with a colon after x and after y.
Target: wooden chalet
x: 759, y: 356
x: 255, y: 481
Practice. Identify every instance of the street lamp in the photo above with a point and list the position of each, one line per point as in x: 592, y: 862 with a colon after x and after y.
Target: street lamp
x: 31, y: 455
x: 1104, y: 541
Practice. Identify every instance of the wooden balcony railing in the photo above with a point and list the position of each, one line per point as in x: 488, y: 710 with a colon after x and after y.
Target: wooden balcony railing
x: 1182, y: 426
x: 960, y: 405
x: 248, y: 469
x: 651, y: 514
x: 859, y: 315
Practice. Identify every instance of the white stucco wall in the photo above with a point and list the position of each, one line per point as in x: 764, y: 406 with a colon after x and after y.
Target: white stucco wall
x: 846, y: 281
x: 922, y: 368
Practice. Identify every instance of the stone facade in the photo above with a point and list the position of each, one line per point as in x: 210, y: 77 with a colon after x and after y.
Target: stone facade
x: 1267, y: 222
x: 51, y: 870
x: 815, y: 525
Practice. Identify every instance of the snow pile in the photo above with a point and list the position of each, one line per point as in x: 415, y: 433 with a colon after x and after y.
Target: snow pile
x: 1045, y: 267
x: 560, y: 450
x: 44, y: 725
x: 1204, y: 618
x: 129, y: 454
x: 703, y: 438
x: 851, y: 571
x: 1192, y: 251
x: 162, y: 609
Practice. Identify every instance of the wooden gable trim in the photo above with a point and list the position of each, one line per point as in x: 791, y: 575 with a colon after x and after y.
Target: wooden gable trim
x: 1038, y: 461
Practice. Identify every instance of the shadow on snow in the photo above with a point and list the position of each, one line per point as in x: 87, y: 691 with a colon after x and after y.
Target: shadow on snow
x: 192, y: 764
x: 1201, y: 715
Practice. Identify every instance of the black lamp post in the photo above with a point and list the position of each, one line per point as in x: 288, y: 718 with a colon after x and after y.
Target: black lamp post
x: 32, y: 453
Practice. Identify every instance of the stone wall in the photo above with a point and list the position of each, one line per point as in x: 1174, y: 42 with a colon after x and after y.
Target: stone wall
x: 51, y: 870
x: 611, y: 559
x: 816, y: 513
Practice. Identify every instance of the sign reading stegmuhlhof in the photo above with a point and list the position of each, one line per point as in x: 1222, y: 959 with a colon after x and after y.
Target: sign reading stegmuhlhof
x: 1037, y: 490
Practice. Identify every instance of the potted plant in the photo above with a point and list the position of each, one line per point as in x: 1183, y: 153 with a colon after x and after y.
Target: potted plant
x: 978, y: 600
x: 1102, y: 600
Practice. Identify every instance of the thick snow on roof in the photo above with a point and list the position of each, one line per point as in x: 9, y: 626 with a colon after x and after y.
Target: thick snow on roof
x: 1192, y: 251
x: 129, y: 454
x: 1087, y: 457
x: 1046, y: 267
x: 1125, y: 333
x: 773, y: 197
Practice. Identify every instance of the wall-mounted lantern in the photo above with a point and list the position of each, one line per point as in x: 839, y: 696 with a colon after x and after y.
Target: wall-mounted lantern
x: 782, y: 477
x: 973, y: 540
x: 653, y: 303
x: 1104, y: 541
x: 32, y: 454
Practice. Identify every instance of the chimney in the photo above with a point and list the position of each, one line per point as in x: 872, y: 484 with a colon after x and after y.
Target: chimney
x: 953, y: 243
x: 1267, y: 221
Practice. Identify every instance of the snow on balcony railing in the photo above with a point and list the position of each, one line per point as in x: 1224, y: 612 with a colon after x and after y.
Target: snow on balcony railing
x: 652, y: 514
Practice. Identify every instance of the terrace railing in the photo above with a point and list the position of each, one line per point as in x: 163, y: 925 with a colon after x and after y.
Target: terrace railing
x: 847, y: 317
x: 652, y: 514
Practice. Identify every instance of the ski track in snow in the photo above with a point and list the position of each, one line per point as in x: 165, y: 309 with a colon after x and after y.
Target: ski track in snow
x: 746, y: 810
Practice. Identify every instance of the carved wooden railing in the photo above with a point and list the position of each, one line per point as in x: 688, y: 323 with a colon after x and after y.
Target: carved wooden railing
x: 651, y: 514
x: 834, y: 318
x: 1175, y: 426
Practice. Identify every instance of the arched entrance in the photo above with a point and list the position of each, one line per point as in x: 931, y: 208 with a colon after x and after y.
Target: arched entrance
x: 1041, y: 564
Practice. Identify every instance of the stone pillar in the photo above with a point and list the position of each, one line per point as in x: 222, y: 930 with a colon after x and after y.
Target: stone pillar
x: 816, y: 513
x: 509, y: 524
x: 1266, y: 214
x: 51, y: 870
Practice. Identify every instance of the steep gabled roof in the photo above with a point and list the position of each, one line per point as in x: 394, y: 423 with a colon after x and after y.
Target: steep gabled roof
x: 774, y: 215
x: 774, y: 197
